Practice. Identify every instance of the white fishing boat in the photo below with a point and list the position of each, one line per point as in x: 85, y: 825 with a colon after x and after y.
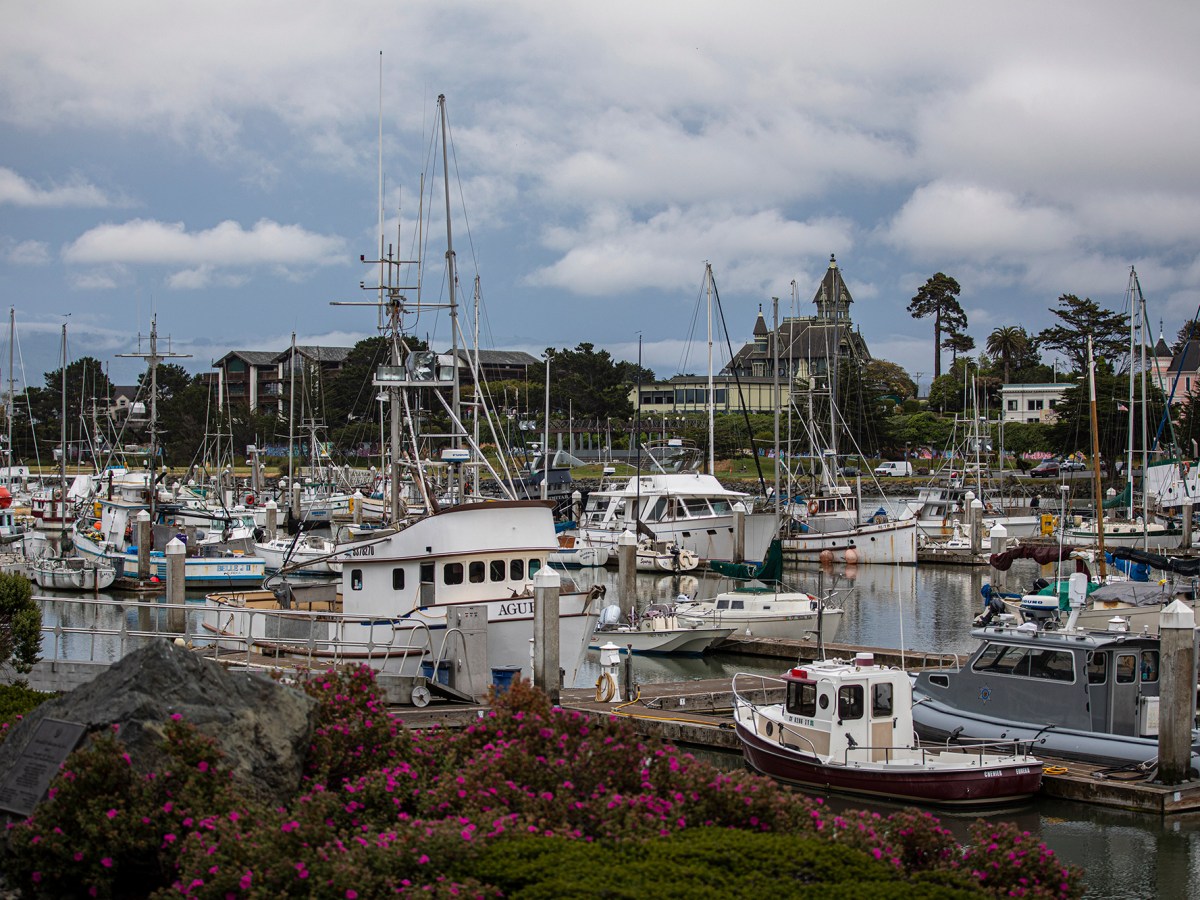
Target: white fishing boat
x: 72, y: 573
x: 402, y: 591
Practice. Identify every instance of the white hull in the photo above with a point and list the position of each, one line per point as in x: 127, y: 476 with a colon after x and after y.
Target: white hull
x: 678, y: 641
x: 71, y: 575
x: 887, y: 543
x: 301, y: 559
x: 580, y: 557
x: 198, y: 571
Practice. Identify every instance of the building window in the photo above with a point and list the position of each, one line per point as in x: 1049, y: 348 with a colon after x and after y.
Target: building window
x: 1012, y: 405
x: 758, y: 370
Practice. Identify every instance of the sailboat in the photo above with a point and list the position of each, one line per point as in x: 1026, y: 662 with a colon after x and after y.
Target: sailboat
x: 221, y: 555
x: 827, y: 525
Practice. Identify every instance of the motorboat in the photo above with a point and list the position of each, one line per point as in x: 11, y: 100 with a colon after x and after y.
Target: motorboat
x: 304, y: 553
x: 71, y: 573
x: 573, y: 554
x: 847, y: 726
x: 1078, y: 694
x: 657, y: 630
x: 677, y: 505
x: 760, y: 610
x: 664, y: 556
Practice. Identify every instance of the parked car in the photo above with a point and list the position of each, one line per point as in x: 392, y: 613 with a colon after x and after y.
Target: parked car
x: 1047, y: 468
x: 894, y: 468
x: 1072, y: 465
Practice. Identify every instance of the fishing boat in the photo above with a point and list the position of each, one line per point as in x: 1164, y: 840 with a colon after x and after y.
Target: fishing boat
x: 71, y: 574
x: 760, y: 610
x: 656, y: 631
x: 847, y: 726
x: 1078, y: 694
x: 304, y: 553
x: 573, y: 554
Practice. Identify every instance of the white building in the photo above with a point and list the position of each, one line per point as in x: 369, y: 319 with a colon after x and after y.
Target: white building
x: 1030, y: 402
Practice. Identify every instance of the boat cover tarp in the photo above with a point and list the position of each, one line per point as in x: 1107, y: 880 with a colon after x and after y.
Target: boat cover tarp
x: 1121, y: 500
x: 1180, y: 565
x: 770, y: 570
x: 1043, y: 553
x: 1138, y: 593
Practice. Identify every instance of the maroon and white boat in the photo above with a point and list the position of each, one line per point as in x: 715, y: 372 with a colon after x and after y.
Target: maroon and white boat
x: 847, y: 726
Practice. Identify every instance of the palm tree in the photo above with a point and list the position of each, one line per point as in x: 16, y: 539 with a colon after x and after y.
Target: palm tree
x: 1006, y: 343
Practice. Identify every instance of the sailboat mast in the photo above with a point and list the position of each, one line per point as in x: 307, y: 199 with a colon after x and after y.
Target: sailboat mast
x: 712, y: 465
x: 292, y: 412
x: 62, y: 434
x: 1096, y: 489
x: 12, y: 385
x: 451, y: 274
x: 775, y: 395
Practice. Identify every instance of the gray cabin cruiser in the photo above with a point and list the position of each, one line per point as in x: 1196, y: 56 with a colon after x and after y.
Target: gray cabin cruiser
x: 1089, y: 695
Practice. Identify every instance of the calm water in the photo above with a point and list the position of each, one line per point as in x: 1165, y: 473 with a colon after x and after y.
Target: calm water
x: 930, y: 608
x: 924, y: 608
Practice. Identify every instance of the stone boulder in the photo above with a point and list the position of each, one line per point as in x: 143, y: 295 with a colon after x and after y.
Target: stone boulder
x: 264, y: 728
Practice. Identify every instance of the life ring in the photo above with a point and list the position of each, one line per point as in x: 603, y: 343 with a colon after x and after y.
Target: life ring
x: 249, y: 500
x: 813, y: 507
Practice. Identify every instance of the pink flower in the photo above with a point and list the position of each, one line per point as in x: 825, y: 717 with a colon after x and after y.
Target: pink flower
x: 106, y: 862
x: 175, y: 717
x: 246, y: 881
x: 112, y: 813
x: 203, y: 766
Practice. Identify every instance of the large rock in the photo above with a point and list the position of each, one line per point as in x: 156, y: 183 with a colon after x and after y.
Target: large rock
x: 264, y: 728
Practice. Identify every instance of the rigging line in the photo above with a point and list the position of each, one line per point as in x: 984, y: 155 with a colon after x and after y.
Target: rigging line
x: 685, y: 352
x: 762, y: 481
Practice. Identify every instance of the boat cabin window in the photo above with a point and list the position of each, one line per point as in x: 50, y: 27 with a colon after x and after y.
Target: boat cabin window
x: 1149, y: 665
x: 1126, y: 668
x: 452, y: 573
x: 427, y: 573
x: 658, y: 512
x: 516, y: 569
x: 802, y: 698
x: 397, y: 579
x: 356, y: 579
x: 881, y: 700
x: 1026, y: 662
x: 475, y: 572
x: 850, y: 701
x: 534, y: 565
x: 496, y: 570
x: 721, y: 507
x: 1097, y: 668
x: 697, y: 506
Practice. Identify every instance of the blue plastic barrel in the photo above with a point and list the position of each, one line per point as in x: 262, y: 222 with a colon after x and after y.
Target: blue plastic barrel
x: 502, y: 677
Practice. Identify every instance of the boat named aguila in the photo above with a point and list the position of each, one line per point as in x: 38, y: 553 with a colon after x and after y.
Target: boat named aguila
x: 847, y: 726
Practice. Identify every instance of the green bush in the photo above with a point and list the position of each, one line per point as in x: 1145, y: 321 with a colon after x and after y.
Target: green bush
x: 20, y: 623
x: 17, y: 701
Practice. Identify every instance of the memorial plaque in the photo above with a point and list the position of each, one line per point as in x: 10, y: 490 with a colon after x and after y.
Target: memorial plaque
x: 27, y: 781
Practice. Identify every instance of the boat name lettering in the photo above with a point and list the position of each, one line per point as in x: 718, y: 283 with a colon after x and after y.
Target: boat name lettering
x: 231, y: 568
x: 517, y: 608
x: 369, y: 550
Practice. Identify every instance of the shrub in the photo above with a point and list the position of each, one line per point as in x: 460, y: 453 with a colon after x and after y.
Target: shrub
x: 20, y: 623
x: 17, y: 701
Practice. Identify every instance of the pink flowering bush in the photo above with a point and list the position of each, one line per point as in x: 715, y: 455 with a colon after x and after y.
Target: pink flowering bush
x: 386, y: 809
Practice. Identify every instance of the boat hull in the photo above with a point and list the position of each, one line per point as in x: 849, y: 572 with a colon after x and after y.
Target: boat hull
x: 969, y: 787
x: 886, y: 543
x: 675, y: 642
x: 199, y: 571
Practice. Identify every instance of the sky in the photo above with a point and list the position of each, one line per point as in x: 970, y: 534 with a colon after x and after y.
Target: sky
x: 218, y: 165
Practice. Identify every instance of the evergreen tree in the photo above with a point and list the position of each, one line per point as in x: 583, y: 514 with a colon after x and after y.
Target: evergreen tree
x: 938, y: 297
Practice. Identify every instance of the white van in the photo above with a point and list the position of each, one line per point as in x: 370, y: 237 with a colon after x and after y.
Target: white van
x: 894, y: 468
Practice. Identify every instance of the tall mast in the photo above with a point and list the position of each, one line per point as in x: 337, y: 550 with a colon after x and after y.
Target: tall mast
x: 451, y: 273
x: 62, y: 434
x: 1096, y: 459
x: 292, y: 411
x: 775, y: 395
x: 12, y: 385
x: 153, y: 358
x: 712, y: 466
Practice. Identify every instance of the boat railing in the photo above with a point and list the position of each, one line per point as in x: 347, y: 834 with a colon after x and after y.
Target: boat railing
x: 99, y: 631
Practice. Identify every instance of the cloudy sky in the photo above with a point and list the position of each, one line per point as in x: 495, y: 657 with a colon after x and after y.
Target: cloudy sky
x: 218, y: 163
